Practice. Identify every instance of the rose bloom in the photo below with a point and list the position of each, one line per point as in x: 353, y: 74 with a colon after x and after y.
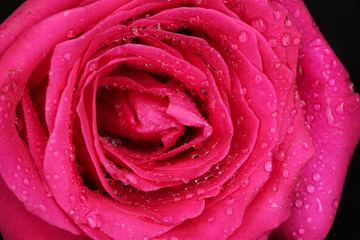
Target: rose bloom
x: 170, y: 119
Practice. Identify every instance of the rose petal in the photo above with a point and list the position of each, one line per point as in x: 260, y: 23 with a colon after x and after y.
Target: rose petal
x: 17, y: 223
x: 334, y: 114
x: 24, y: 17
x: 272, y: 205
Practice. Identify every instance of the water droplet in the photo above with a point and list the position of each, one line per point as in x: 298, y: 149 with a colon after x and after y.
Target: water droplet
x: 259, y: 24
x: 272, y: 130
x: 315, y: 43
x: 67, y: 56
x: 56, y: 177
x: 264, y: 145
x: 308, y: 220
x: 331, y: 82
x: 168, y: 219
x: 293, y: 112
x: 211, y: 219
x: 26, y: 181
x: 285, y: 40
x: 316, y: 177
x: 297, y: 13
x: 301, y: 231
x: 18, y: 168
x: 340, y: 108
x: 229, y: 212
x: 290, y: 130
x: 335, y: 203
x: 70, y: 34
x: 200, y: 191
x: 288, y: 23
x: 257, y: 78
x: 317, y: 107
x: 277, y: 15
x: 83, y: 198
x: 320, y: 208
x: 310, y: 117
x: 246, y: 182
x: 285, y: 173
x: 189, y: 196
x: 243, y: 37
x: 245, y: 150
x: 268, y: 166
x: 305, y: 145
x: 234, y: 46
x: 93, y: 66
x: 272, y: 41
x: 280, y: 156
x: 92, y: 220
x: 298, y: 203
x: 310, y: 188
x: 18, y: 124
x: 296, y: 41
x: 230, y: 201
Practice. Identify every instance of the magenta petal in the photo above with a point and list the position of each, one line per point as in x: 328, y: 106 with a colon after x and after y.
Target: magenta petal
x: 334, y: 114
x: 23, y: 18
x: 16, y: 222
x: 272, y: 205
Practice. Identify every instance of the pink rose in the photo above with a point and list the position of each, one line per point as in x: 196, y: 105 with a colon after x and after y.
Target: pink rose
x: 197, y: 119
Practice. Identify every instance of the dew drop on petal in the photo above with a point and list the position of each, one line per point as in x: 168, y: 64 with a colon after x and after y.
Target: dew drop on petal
x: 272, y: 41
x: 92, y: 220
x: 310, y: 188
x: 317, y: 107
x: 257, y: 78
x: 293, y: 112
x: 200, y: 191
x: 285, y: 40
x: 290, y: 130
x: 268, y: 166
x: 320, y: 208
x: 316, y: 177
x: 168, y: 219
x: 277, y: 15
x: 298, y: 203
x: 67, y: 56
x: 18, y: 168
x: 259, y: 24
x: 230, y: 201
x: 243, y: 37
x: 229, y: 212
x: 301, y: 231
x: 26, y: 181
x: 264, y: 145
x: 285, y: 173
x: 296, y: 41
x: 189, y: 196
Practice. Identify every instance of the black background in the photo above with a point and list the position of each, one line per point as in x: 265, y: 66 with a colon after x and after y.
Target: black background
x: 339, y: 23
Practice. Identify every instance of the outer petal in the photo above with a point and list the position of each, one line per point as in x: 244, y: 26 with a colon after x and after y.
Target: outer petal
x: 333, y: 111
x: 27, y: 15
x: 17, y: 223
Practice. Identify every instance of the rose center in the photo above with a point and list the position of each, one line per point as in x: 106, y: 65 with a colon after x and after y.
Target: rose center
x: 135, y: 118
